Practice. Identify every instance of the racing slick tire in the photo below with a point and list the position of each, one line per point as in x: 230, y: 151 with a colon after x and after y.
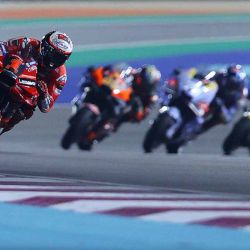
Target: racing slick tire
x: 67, y: 139
x: 155, y: 136
x: 238, y: 137
x: 172, y: 148
x: 80, y: 124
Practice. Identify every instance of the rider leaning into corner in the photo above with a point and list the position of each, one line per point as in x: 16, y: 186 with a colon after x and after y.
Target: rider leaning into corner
x: 143, y: 81
x: 50, y: 53
x: 231, y: 85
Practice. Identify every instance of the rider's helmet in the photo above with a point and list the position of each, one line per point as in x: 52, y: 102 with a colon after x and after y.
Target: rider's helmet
x: 146, y: 79
x: 236, y: 77
x: 56, y: 48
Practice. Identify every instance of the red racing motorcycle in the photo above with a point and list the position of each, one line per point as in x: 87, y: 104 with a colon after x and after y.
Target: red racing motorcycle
x: 18, y: 95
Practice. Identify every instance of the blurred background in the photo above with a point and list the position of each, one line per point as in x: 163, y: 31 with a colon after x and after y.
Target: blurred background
x: 169, y: 34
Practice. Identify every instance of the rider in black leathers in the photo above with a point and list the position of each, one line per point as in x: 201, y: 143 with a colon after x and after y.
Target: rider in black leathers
x: 232, y: 85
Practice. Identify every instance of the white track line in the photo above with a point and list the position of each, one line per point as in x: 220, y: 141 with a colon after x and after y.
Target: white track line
x: 163, y: 42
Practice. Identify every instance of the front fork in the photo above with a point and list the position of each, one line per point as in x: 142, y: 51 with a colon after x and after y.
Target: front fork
x: 7, y: 113
x: 175, y: 114
x: 10, y: 115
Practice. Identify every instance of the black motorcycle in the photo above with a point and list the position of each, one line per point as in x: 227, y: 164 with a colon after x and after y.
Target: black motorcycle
x: 239, y: 135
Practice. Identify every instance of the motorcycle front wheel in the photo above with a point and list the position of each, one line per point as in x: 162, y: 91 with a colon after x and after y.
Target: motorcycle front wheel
x: 239, y: 136
x: 156, y: 135
x: 80, y: 124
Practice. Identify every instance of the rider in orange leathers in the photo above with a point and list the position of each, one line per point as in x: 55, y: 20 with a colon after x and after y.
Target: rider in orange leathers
x: 143, y: 82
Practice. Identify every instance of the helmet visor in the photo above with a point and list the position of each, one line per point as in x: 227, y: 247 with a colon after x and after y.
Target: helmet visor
x: 52, y: 58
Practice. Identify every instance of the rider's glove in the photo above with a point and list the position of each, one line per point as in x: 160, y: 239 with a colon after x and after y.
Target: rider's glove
x: 42, y: 89
x: 8, y: 78
x: 44, y: 99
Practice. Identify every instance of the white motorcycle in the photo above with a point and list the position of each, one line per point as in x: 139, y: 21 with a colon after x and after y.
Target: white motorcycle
x: 184, y: 110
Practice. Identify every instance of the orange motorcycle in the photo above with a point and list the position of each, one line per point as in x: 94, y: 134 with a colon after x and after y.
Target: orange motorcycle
x: 98, y: 113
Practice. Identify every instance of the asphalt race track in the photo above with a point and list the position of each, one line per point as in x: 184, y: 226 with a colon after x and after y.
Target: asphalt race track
x: 32, y: 148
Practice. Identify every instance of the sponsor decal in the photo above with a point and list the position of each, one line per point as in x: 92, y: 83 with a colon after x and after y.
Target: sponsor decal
x: 26, y: 82
x: 63, y: 37
x: 62, y: 78
x: 31, y: 63
x: 32, y: 68
x: 61, y: 45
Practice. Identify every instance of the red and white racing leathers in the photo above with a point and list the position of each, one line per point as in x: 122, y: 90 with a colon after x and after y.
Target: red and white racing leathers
x: 23, y: 49
x: 27, y: 48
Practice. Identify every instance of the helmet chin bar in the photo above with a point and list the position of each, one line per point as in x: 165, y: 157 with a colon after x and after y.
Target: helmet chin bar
x: 44, y: 65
